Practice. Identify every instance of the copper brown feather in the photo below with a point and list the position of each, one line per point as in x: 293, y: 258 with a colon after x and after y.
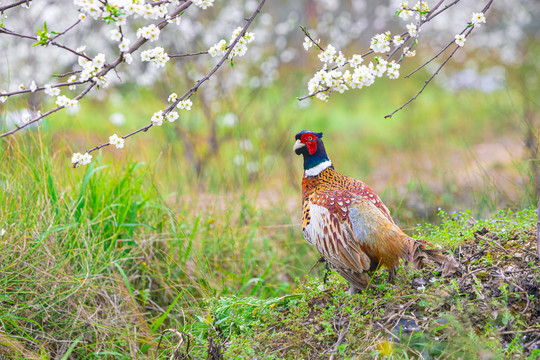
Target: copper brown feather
x: 349, y: 225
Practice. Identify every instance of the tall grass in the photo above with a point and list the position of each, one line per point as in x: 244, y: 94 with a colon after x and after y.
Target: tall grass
x: 96, y: 263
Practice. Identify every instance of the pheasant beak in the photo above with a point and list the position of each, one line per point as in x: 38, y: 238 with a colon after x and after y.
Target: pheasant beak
x: 297, y: 146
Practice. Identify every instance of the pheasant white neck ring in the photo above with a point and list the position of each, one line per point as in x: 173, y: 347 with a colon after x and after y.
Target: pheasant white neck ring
x: 317, y: 169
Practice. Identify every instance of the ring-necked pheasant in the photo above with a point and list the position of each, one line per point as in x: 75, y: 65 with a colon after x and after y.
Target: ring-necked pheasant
x: 349, y: 225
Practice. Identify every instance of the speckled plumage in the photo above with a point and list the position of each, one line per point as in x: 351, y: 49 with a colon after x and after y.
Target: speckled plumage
x: 349, y: 225
x: 346, y: 221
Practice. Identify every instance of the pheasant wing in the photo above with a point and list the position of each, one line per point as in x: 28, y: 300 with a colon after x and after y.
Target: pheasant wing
x: 334, y: 238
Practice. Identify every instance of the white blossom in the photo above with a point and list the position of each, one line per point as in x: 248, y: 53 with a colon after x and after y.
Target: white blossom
x: 307, y: 43
x: 203, y: 4
x: 218, y: 49
x: 33, y: 86
x: 327, y: 55
x: 128, y: 58
x: 72, y: 79
x: 362, y: 76
x: 404, y: 12
x: 99, y: 61
x: 379, y: 69
x: 115, y: 35
x: 49, y: 90
x: 340, y: 59
x: 81, y: 159
x: 124, y: 45
x: 380, y: 43
x: 410, y: 53
x: 413, y: 31
x: 157, y: 56
x: 423, y: 8
x: 240, y: 48
x: 172, y: 97
x: 116, y: 141
x: 150, y: 32
x: 172, y: 116
x: 2, y: 232
x: 322, y: 96
x: 393, y: 70
x: 460, y: 39
x: 26, y: 117
x: 356, y: 60
x: 63, y: 100
x: 398, y: 40
x: 157, y: 118
x: 478, y: 18
x: 185, y: 104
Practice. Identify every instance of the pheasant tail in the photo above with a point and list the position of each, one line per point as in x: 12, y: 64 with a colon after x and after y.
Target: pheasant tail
x: 420, y: 257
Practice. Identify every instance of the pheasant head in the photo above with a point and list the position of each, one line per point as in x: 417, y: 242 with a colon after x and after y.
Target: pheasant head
x: 310, y: 145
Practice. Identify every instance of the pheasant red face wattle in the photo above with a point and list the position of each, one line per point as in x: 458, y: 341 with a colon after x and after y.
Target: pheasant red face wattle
x: 311, y: 142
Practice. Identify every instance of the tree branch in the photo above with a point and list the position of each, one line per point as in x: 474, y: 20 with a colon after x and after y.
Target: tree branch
x: 9, y: 6
x: 103, y: 72
x: 199, y: 82
x: 467, y: 31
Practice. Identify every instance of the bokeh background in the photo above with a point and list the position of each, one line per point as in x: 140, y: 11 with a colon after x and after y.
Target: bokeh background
x: 210, y: 204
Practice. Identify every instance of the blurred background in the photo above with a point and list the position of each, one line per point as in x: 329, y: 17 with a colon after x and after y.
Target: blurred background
x: 211, y: 203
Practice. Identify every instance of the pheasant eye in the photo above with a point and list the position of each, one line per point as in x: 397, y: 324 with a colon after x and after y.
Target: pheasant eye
x: 310, y: 138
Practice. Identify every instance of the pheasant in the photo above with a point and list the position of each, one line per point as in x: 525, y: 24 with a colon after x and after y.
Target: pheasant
x: 349, y: 225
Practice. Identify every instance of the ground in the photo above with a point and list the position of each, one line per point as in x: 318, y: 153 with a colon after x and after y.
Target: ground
x: 488, y: 309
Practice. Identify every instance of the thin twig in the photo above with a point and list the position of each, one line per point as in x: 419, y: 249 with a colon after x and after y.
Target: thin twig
x: 9, y: 6
x: 423, y: 87
x: 39, y: 88
x: 188, y: 54
x: 467, y: 32
x: 50, y: 41
x: 103, y: 72
x: 199, y: 82
x: 303, y: 28
x: 78, y: 97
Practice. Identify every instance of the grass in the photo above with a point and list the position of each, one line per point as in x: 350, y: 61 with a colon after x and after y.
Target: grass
x: 98, y: 262
x: 472, y: 314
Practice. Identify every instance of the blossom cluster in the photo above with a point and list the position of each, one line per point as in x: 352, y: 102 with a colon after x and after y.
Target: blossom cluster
x: 157, y: 56
x: 94, y: 70
x: 118, y: 10
x: 116, y: 141
x: 331, y: 78
x: 81, y: 159
x: 421, y: 8
x: 63, y: 100
x: 328, y: 79
x: 91, y: 68
x: 239, y: 49
x: 150, y: 32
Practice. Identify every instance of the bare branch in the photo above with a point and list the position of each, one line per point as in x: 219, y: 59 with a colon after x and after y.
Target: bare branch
x: 103, y: 72
x: 188, y: 54
x: 78, y: 97
x: 199, y: 82
x: 303, y: 28
x: 9, y: 6
x: 467, y: 31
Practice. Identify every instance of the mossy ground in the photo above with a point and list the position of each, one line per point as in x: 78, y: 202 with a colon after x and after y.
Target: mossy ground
x: 489, y: 309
